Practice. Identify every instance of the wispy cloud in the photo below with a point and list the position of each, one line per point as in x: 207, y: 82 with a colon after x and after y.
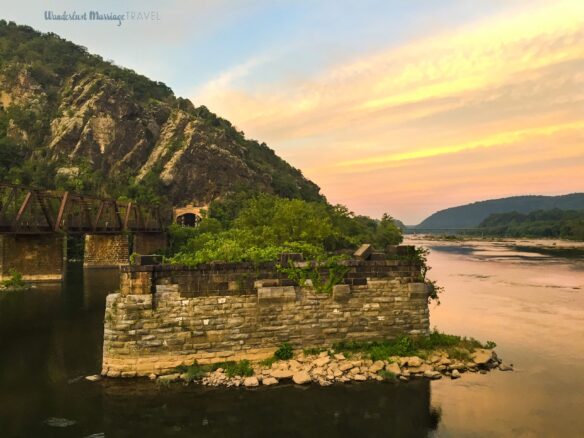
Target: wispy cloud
x: 493, y: 87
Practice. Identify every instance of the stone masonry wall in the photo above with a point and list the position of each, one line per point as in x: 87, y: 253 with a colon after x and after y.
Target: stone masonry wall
x: 166, y: 316
x: 37, y: 257
x: 106, y: 250
x: 149, y: 243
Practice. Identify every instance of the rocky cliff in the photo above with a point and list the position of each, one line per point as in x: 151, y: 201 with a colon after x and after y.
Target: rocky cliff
x: 69, y: 119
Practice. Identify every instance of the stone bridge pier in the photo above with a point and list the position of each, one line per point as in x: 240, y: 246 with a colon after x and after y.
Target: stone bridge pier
x: 150, y: 243
x: 106, y: 250
x: 113, y: 250
x: 38, y: 257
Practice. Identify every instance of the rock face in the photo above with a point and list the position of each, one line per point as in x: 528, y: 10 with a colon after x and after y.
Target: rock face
x: 89, y: 120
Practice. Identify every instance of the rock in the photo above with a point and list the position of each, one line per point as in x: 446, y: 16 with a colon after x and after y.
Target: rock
x: 268, y: 381
x: 346, y: 366
x: 414, y: 361
x: 503, y: 367
x: 281, y: 374
x: 483, y: 371
x: 301, y: 377
x: 59, y: 422
x: 184, y: 376
x: 455, y: 374
x: 249, y: 382
x: 169, y: 377
x: 323, y: 382
x: 322, y: 361
x: 359, y: 377
x: 318, y: 371
x: 445, y: 361
x: 323, y: 354
x: 339, y: 356
x: 457, y: 366
x: 421, y: 369
x: 376, y: 367
x: 93, y: 378
x: 481, y: 356
x: 393, y: 368
x: 152, y: 376
x: 432, y: 375
x: 337, y: 373
x: 404, y: 378
x: 435, y: 358
x: 294, y: 363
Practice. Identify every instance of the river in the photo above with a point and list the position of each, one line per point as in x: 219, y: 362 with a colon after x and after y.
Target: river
x: 531, y: 303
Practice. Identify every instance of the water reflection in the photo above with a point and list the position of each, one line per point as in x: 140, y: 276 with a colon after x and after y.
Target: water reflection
x: 533, y: 308
x: 52, y: 335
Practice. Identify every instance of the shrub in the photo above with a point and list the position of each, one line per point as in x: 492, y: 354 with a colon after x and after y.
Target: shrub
x: 15, y: 280
x: 285, y: 352
x: 242, y: 368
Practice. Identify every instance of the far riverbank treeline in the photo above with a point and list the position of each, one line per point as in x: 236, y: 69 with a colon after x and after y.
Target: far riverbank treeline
x: 555, y: 223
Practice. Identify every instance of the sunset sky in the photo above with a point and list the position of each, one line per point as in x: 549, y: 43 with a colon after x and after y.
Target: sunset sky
x: 407, y: 107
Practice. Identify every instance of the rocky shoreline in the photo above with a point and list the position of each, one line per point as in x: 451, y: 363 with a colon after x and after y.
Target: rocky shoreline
x: 327, y: 368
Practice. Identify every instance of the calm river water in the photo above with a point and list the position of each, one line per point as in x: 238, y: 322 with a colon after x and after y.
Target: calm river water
x: 531, y: 304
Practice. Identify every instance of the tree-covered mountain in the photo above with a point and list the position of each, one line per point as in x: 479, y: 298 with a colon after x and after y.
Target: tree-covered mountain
x: 556, y: 223
x: 471, y: 215
x: 70, y: 120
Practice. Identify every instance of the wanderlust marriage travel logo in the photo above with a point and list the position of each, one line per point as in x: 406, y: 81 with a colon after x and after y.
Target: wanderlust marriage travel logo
x: 117, y: 18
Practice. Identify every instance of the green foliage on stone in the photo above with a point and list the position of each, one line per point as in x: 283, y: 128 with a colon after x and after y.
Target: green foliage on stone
x: 420, y: 257
x: 322, y: 274
x: 232, y: 369
x: 285, y: 352
x: 196, y: 371
x: 15, y: 280
x: 457, y: 346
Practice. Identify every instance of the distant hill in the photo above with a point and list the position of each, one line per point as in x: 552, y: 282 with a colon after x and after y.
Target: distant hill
x: 471, y: 215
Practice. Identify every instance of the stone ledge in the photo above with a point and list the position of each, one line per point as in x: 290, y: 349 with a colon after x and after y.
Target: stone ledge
x: 278, y: 294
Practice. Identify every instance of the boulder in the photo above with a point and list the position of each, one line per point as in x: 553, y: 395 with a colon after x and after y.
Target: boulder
x: 376, y: 367
x: 301, y: 377
x: 93, y: 378
x: 503, y: 367
x: 421, y: 369
x: 281, y: 373
x: 268, y: 381
x: 413, y: 361
x: 169, y: 377
x: 322, y: 361
x: 339, y: 356
x: 455, y: 374
x: 359, y: 377
x: 481, y: 356
x: 432, y: 375
x: 346, y: 366
x: 250, y: 381
x: 393, y: 368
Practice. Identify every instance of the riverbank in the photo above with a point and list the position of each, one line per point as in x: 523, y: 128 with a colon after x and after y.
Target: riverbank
x: 350, y: 362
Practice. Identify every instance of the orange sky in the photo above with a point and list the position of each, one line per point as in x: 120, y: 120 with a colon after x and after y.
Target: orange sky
x: 484, y: 109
